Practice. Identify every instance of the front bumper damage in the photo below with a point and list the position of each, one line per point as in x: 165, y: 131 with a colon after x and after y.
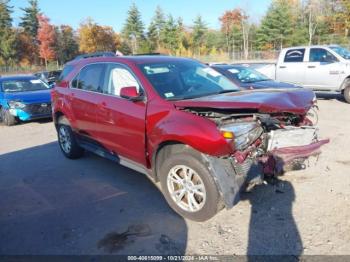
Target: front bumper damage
x: 287, y: 149
x: 32, y: 111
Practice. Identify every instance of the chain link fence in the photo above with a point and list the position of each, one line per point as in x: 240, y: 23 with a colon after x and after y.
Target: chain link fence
x: 240, y: 57
x: 235, y: 57
x: 23, y: 70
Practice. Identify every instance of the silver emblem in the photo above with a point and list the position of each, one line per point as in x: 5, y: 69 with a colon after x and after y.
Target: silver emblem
x: 43, y: 105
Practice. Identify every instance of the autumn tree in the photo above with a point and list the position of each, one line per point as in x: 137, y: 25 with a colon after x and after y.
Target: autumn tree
x: 66, y: 46
x: 94, y: 38
x: 46, y: 39
x: 25, y: 48
x: 231, y: 26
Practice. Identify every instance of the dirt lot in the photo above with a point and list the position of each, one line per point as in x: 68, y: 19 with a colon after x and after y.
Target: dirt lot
x: 51, y: 205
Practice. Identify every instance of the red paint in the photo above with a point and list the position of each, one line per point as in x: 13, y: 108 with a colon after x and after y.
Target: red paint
x: 136, y: 129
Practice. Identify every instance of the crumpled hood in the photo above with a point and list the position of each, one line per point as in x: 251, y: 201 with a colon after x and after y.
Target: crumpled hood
x: 268, y: 84
x: 297, y: 101
x: 42, y: 96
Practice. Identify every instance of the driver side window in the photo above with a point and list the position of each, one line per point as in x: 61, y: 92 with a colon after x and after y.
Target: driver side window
x: 321, y: 55
x: 118, y: 77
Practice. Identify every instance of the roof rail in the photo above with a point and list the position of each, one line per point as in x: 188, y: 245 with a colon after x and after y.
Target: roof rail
x: 97, y: 54
x: 148, y: 54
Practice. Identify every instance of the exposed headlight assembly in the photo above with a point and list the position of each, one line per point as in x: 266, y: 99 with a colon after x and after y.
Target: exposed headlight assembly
x: 242, y: 134
x: 16, y: 105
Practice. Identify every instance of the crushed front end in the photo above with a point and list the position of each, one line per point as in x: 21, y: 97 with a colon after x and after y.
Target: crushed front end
x: 263, y: 145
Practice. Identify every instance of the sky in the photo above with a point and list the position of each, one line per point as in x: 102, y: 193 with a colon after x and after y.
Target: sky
x: 114, y: 12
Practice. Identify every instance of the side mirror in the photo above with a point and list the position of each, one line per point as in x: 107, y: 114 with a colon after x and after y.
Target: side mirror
x: 131, y: 93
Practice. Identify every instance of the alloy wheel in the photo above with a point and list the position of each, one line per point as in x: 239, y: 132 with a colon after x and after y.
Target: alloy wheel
x: 65, y: 139
x: 186, y: 188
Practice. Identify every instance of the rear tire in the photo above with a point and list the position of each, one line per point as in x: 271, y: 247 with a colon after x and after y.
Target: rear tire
x: 7, y: 118
x: 346, y: 93
x: 188, y: 186
x: 68, y: 143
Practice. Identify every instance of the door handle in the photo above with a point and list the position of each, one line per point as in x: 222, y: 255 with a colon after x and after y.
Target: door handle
x: 311, y: 67
x: 283, y: 67
x: 102, y: 105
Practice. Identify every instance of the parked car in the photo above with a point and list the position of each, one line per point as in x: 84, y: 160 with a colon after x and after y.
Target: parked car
x: 321, y: 68
x: 248, y: 78
x: 183, y: 124
x: 50, y: 77
x: 23, y: 98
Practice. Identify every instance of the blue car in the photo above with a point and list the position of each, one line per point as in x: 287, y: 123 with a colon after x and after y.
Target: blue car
x: 23, y: 98
x: 248, y: 78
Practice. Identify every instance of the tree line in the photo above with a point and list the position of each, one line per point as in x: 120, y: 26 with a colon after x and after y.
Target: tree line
x: 36, y: 41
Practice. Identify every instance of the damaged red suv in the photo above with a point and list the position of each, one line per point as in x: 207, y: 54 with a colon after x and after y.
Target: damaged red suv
x: 182, y: 124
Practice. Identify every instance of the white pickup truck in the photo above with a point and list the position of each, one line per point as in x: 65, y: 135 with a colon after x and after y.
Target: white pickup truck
x: 321, y: 68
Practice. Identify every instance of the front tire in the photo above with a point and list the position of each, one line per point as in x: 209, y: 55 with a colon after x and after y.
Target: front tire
x: 68, y: 143
x: 188, y: 186
x: 347, y: 93
x: 7, y: 118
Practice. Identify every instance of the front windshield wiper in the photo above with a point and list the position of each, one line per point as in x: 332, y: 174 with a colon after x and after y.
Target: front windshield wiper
x: 255, y: 81
x: 225, y: 91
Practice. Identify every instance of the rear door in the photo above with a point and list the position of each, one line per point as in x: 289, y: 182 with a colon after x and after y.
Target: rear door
x: 291, y: 67
x: 323, y: 70
x: 120, y: 122
x: 84, y: 88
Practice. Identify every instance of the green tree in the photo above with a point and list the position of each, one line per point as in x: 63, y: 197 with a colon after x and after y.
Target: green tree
x: 199, y: 33
x: 156, y: 28
x: 30, y: 21
x: 7, y: 35
x: 133, y: 29
x: 5, y: 14
x: 66, y: 44
x: 276, y: 27
x: 170, y: 36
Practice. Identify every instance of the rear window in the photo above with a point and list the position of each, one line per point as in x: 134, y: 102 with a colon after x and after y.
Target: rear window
x: 65, y: 72
x: 294, y: 55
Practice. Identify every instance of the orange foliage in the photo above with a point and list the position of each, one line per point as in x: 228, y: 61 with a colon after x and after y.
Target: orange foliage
x: 46, y: 37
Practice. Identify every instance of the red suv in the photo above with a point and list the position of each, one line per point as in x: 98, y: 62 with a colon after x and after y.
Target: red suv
x: 182, y: 124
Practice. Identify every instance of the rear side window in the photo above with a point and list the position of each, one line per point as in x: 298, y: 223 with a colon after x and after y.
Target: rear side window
x: 65, y: 72
x: 90, y: 78
x: 294, y: 55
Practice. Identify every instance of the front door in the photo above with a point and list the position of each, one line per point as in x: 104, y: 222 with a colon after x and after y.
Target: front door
x: 323, y: 70
x: 121, y: 123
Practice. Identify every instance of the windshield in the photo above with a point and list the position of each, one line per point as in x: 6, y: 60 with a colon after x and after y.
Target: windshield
x: 186, y: 79
x: 14, y: 86
x: 246, y: 75
x: 344, y: 53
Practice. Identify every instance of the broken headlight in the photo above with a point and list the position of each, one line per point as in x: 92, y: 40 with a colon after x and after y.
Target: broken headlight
x: 242, y: 134
x: 16, y: 104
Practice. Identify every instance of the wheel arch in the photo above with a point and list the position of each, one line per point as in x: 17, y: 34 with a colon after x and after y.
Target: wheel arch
x: 59, y: 116
x: 161, y: 152
x: 345, y: 83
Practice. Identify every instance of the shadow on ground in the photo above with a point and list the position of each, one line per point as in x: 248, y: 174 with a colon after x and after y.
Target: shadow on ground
x: 272, y: 228
x: 51, y: 205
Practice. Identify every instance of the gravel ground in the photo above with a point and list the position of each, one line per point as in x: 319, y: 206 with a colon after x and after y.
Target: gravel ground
x: 51, y: 205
